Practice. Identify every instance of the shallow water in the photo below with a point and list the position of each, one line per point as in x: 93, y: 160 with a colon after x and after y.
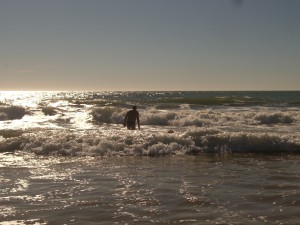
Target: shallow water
x: 204, y: 189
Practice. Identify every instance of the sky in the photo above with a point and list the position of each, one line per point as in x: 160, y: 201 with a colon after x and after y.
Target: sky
x: 149, y: 45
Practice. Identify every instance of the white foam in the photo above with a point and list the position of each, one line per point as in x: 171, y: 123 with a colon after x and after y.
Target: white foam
x: 149, y: 143
x: 87, y: 129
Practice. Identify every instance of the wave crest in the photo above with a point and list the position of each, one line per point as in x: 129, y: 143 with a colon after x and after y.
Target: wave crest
x: 196, y: 141
x: 107, y: 115
x: 274, y: 118
x: 11, y: 112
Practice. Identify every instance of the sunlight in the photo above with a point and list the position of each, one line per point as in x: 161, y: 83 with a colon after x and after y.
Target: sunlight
x: 21, y: 98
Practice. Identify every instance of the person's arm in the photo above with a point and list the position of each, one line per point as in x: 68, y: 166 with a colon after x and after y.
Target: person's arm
x: 138, y: 120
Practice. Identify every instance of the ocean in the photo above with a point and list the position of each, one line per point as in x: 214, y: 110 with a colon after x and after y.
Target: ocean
x: 215, y: 157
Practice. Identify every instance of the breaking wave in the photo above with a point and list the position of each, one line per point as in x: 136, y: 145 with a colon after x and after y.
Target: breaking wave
x: 90, y: 123
x: 196, y: 141
x: 274, y: 118
x: 198, y: 118
x: 11, y: 112
x: 107, y: 115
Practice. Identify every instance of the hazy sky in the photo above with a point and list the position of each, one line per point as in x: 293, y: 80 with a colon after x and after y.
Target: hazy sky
x: 149, y: 45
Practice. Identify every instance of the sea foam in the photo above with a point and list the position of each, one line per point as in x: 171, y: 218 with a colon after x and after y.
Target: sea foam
x: 83, y: 124
x: 194, y: 141
x: 198, y: 118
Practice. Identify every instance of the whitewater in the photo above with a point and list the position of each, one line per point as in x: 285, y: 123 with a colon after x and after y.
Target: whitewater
x: 199, y: 158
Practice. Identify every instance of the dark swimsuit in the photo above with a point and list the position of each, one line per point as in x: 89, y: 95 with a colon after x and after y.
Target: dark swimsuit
x: 131, y: 125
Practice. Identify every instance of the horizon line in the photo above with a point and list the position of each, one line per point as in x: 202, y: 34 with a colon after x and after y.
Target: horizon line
x: 227, y: 90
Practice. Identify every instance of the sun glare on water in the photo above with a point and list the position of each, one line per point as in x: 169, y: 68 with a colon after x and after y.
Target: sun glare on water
x: 21, y: 98
x: 35, y: 107
x: 12, y: 102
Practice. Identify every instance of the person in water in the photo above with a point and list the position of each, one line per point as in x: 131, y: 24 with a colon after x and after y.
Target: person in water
x: 131, y: 117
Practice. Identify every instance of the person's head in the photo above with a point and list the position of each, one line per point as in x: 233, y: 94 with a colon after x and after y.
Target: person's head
x: 134, y: 107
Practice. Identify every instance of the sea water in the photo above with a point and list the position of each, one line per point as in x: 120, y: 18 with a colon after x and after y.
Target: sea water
x: 199, y: 158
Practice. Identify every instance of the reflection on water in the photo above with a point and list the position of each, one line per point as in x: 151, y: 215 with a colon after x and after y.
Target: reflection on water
x: 166, y: 190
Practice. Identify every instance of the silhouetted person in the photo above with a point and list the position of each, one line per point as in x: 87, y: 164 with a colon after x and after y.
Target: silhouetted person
x: 131, y: 117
